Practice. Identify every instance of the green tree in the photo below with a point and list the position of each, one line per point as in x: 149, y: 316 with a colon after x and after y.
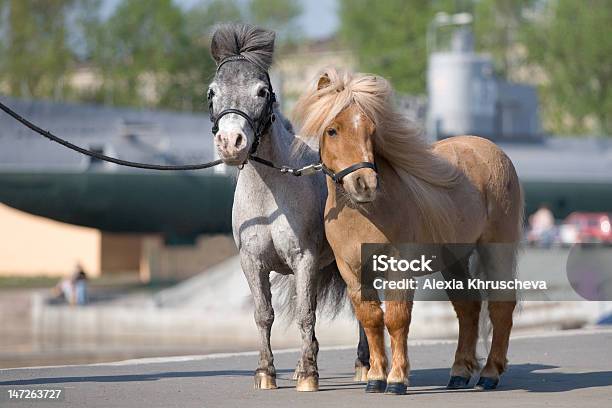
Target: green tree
x: 568, y: 42
x: 389, y: 37
x: 277, y: 15
x: 497, y: 26
x: 147, y: 57
x: 34, y: 51
x: 147, y: 53
x: 204, y: 15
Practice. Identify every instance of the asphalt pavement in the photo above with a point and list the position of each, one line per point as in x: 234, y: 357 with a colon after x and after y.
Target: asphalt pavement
x: 557, y: 369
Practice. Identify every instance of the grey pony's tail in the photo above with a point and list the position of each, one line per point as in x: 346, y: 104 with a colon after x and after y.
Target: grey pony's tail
x: 330, y: 290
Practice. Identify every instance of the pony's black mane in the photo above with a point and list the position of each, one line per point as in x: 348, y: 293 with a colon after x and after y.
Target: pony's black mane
x: 253, y: 43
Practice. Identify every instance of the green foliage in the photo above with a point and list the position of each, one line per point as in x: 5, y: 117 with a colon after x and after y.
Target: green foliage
x: 572, y: 45
x: 34, y: 53
x: 389, y: 38
x: 146, y: 57
x: 275, y: 14
x: 497, y: 26
x: 147, y: 53
x: 203, y: 16
x: 153, y: 53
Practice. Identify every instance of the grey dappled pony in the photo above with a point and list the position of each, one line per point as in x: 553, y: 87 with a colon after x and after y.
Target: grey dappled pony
x: 277, y: 219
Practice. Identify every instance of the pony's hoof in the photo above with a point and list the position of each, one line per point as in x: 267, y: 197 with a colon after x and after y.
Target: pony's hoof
x: 308, y: 384
x: 374, y: 386
x: 396, y: 388
x: 487, y: 383
x: 361, y: 373
x: 457, y: 382
x: 264, y: 381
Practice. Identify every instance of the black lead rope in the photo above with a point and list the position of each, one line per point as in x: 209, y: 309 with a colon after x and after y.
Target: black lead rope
x: 300, y: 171
x: 100, y: 156
x: 315, y: 167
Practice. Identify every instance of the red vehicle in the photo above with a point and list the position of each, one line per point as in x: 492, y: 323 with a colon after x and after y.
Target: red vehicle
x: 590, y: 227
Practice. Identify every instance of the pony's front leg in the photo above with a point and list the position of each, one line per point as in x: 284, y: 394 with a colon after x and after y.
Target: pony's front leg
x: 397, y: 320
x: 371, y: 317
x: 259, y: 283
x: 306, y: 286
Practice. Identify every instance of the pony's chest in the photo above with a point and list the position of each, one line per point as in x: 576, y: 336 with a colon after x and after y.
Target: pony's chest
x: 377, y: 222
x: 276, y: 217
x: 348, y: 228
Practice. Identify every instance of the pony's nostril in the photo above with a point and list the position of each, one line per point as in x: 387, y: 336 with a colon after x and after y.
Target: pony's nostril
x: 361, y: 186
x: 239, y: 140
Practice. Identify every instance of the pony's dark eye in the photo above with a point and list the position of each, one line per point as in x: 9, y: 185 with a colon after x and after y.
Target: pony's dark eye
x: 263, y: 93
x: 331, y: 132
x: 210, y: 94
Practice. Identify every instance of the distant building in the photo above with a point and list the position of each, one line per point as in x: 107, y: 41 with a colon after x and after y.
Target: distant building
x: 466, y: 97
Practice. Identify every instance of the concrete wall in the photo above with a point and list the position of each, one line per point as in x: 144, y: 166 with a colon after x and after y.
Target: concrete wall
x: 37, y: 246
x: 31, y: 245
x: 178, y: 262
x: 120, y: 252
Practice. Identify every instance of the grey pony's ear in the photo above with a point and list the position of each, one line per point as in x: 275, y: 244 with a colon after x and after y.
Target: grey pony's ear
x: 217, y: 51
x: 323, y: 82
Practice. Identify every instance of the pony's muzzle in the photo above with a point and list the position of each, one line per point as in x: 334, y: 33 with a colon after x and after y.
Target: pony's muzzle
x: 231, y: 146
x: 362, y: 185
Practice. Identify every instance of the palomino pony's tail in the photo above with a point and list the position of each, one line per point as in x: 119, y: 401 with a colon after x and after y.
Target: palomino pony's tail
x: 330, y: 290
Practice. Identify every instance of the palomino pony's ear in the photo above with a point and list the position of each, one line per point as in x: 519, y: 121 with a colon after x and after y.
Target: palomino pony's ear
x: 323, y: 82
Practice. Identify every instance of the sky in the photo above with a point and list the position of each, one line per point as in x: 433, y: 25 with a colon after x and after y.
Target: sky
x: 318, y: 20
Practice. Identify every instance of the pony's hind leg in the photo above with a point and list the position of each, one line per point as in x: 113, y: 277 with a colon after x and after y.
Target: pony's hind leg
x: 499, y: 261
x: 362, y: 363
x: 397, y: 320
x: 259, y: 283
x: 307, y: 372
x: 468, y: 313
x: 467, y: 304
x: 500, y: 313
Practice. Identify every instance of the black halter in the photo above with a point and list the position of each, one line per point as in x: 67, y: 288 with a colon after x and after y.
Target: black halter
x: 259, y: 126
x: 337, y: 177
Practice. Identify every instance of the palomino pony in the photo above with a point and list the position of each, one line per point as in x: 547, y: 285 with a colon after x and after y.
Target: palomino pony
x: 277, y: 218
x: 459, y: 190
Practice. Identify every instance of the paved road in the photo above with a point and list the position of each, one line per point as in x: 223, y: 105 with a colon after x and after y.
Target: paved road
x: 563, y: 369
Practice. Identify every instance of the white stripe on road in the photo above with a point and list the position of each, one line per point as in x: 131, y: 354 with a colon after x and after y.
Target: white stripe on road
x: 215, y: 356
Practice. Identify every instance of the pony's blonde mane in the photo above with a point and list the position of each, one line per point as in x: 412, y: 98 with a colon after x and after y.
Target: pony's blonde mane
x: 397, y: 140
